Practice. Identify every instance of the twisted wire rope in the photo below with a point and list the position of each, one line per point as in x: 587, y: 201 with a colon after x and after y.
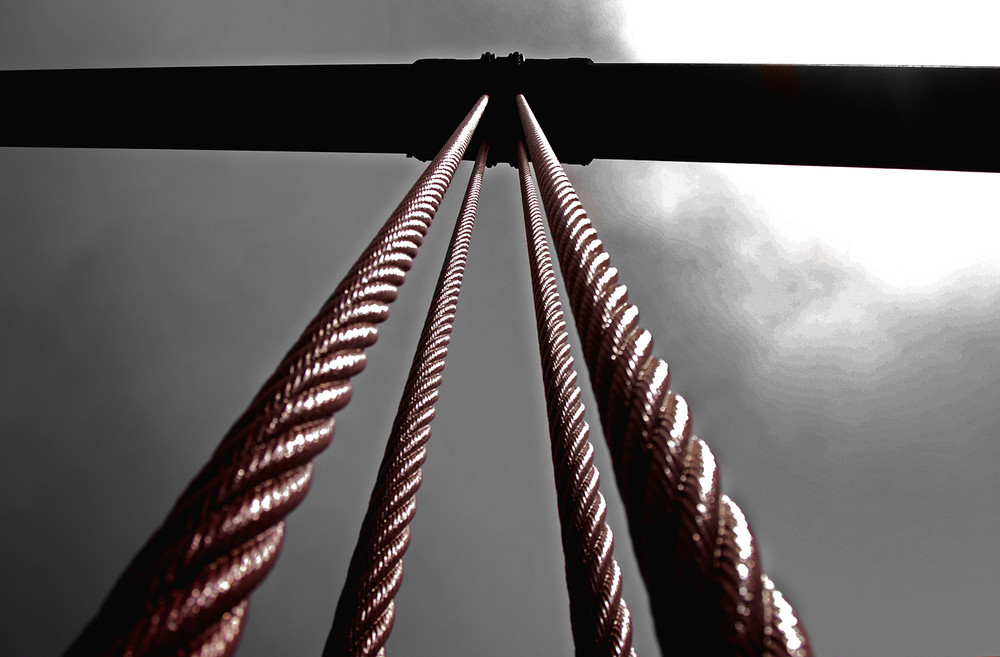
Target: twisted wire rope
x: 694, y: 546
x: 600, y: 618
x: 366, y: 609
x: 186, y: 591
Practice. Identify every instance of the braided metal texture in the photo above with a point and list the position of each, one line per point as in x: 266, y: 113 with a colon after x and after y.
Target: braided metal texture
x: 186, y: 591
x: 366, y: 610
x: 600, y: 618
x: 694, y: 546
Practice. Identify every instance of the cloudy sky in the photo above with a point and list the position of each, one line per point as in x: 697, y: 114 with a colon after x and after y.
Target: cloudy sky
x: 835, y: 332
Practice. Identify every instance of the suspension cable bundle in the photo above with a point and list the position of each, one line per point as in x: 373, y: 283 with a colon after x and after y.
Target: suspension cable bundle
x: 187, y: 590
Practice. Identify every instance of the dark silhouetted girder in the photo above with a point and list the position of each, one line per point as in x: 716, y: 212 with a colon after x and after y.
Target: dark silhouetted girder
x: 898, y: 117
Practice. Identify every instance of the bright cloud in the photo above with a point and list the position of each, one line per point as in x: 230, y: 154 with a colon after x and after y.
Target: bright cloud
x: 961, y: 33
x: 911, y: 230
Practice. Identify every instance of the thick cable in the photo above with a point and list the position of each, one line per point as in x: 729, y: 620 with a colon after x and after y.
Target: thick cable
x: 366, y: 610
x: 186, y: 591
x: 600, y: 618
x: 694, y: 546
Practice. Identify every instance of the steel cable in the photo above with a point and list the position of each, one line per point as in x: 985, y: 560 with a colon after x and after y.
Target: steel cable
x: 600, y: 618
x: 186, y: 591
x: 694, y: 546
x: 366, y: 610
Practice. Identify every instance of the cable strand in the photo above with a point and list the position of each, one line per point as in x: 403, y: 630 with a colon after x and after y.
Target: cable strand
x: 599, y: 616
x: 366, y: 609
x: 695, y: 549
x: 225, y: 531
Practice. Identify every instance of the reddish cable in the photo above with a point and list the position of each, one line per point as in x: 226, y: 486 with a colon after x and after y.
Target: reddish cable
x: 366, y: 610
x: 186, y: 591
x: 601, y: 622
x: 694, y: 546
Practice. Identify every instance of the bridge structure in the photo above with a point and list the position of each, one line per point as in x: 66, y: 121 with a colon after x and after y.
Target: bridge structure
x: 187, y: 590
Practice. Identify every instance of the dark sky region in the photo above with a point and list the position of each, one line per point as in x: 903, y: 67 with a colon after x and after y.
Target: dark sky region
x: 146, y: 296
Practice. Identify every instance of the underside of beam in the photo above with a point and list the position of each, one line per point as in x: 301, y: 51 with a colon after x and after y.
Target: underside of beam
x: 896, y: 117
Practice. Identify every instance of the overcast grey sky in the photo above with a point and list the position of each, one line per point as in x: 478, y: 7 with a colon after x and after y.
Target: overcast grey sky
x: 148, y: 294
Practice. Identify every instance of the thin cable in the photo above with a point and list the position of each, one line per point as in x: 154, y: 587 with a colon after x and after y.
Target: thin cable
x: 366, y: 610
x: 601, y: 621
x: 186, y: 591
x: 697, y: 554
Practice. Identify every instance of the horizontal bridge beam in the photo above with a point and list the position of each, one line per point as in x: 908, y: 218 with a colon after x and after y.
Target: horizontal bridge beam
x: 897, y: 117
